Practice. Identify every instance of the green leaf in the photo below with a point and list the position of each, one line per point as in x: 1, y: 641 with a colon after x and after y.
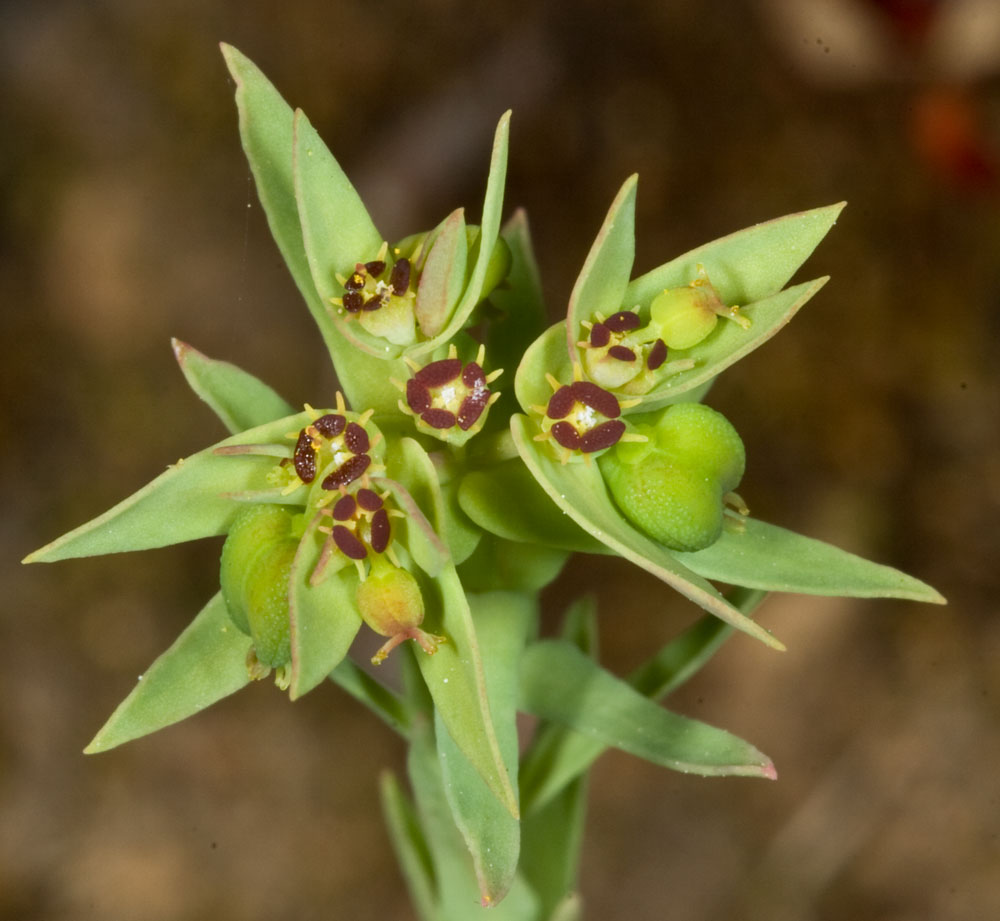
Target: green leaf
x: 558, y: 756
x: 266, y: 132
x: 413, y: 483
x: 186, y: 502
x: 410, y: 846
x: 507, y: 501
x: 552, y: 839
x: 579, y: 491
x: 560, y: 683
x: 455, y: 678
x: 239, y: 399
x: 520, y: 301
x: 767, y: 557
x: 456, y: 893
x: 601, y: 285
x: 728, y: 343
x: 491, y: 833
x: 324, y: 618
x: 387, y: 705
x: 336, y: 229
x: 206, y: 663
x: 745, y: 266
x: 337, y: 233
x: 443, y: 275
x: 489, y: 230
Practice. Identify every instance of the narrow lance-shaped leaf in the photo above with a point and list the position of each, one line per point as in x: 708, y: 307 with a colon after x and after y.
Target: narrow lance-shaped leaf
x: 206, y: 663
x: 560, y: 683
x: 579, y: 491
x: 491, y: 833
x: 186, y: 502
x: 455, y: 679
x: 238, y: 398
x: 552, y: 833
x: 337, y: 233
x: 489, y: 230
x: 728, y: 343
x: 558, y: 756
x: 411, y: 848
x: 600, y: 287
x: 266, y: 132
x: 767, y: 557
x: 324, y: 618
x: 745, y: 266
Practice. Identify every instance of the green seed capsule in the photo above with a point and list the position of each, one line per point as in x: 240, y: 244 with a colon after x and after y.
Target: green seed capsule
x: 256, y: 562
x: 673, y: 486
x: 390, y: 602
x: 685, y: 316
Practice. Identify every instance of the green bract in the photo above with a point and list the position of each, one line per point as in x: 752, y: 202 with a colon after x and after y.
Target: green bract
x: 470, y: 451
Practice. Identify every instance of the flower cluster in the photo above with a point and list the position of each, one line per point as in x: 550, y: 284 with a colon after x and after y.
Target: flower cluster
x: 435, y: 470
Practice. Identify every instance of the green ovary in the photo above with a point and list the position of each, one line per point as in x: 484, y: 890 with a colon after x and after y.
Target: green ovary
x: 673, y: 487
x: 256, y: 562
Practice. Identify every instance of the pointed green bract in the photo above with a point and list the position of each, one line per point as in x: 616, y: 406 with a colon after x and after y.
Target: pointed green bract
x: 206, y: 663
x: 238, y: 398
x: 560, y: 683
x: 771, y: 558
x: 443, y: 276
x: 579, y: 491
x: 187, y: 502
x: 728, y: 343
x: 482, y: 252
x: 324, y: 618
x: 600, y: 287
x: 559, y: 756
x: 491, y: 833
x: 745, y: 266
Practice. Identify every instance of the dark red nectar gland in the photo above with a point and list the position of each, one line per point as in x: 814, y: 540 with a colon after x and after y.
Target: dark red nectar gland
x: 379, y: 296
x: 581, y: 418
x: 449, y: 398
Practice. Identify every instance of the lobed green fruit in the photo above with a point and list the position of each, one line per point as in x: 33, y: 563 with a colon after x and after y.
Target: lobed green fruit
x: 672, y: 487
x: 685, y: 316
x: 254, y: 571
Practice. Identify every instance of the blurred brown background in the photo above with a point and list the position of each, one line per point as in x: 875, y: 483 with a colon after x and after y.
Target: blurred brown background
x: 872, y: 421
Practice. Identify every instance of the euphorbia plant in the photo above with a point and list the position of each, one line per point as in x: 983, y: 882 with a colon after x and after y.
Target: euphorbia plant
x: 469, y: 451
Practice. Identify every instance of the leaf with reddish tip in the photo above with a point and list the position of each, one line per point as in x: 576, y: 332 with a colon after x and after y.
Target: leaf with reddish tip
x: 579, y: 491
x: 443, y: 275
x: 185, y: 503
x: 239, y: 399
x: 560, y: 683
x: 206, y: 663
x: 491, y: 833
x: 600, y: 287
x: 767, y: 557
x: 323, y: 618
